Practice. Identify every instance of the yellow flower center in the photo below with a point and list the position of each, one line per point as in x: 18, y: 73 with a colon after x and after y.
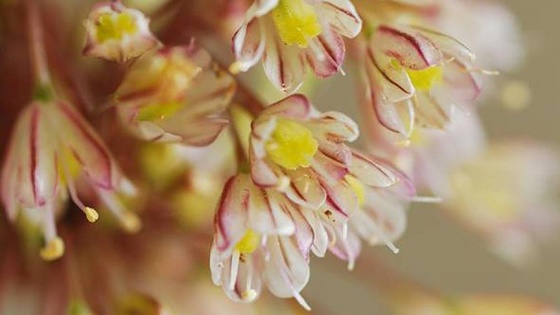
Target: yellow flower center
x: 291, y: 145
x: 115, y: 26
x: 249, y: 243
x: 424, y: 80
x: 357, y: 187
x: 296, y: 22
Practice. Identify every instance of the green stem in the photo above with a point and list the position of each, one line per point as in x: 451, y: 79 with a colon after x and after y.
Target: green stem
x: 43, y: 87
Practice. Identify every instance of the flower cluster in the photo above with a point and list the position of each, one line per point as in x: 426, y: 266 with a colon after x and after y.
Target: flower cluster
x: 306, y: 193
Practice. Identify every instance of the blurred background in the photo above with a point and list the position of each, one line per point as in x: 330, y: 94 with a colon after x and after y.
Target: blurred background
x: 434, y: 250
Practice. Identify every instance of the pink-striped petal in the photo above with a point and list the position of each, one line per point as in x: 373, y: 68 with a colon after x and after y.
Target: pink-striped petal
x: 322, y: 234
x: 295, y: 106
x: 268, y: 213
x: 410, y: 48
x: 287, y: 271
x: 430, y: 113
x: 230, y: 222
x: 342, y: 16
x: 32, y: 162
x: 371, y: 172
x: 85, y: 146
x: 305, y: 188
x: 392, y: 83
x: 347, y: 246
x: 462, y: 83
x: 326, y: 53
x: 249, y: 44
x: 282, y: 63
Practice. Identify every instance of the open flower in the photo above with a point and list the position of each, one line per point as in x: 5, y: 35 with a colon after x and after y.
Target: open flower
x: 416, y: 77
x: 261, y: 239
x: 51, y: 145
x: 302, y: 153
x: 290, y: 34
x: 118, y: 33
x: 175, y: 94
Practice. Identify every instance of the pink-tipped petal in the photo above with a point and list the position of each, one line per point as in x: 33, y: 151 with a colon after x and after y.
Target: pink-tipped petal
x: 411, y: 49
x: 462, y: 83
x: 85, y: 146
x: 32, y: 161
x: 305, y: 188
x: 326, y: 54
x: 342, y: 16
x: 231, y: 214
x: 282, y: 63
x: 392, y: 83
x: 295, y: 106
x: 287, y: 272
x: 249, y: 44
x: 268, y: 213
x: 371, y: 172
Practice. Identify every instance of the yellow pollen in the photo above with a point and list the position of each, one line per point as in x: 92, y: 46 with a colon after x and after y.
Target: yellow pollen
x: 54, y: 249
x: 291, y: 145
x: 424, y: 80
x: 115, y: 26
x: 357, y: 187
x: 91, y: 214
x: 296, y: 22
x: 249, y: 243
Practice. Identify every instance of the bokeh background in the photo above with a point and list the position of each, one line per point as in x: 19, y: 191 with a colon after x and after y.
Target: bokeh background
x: 437, y: 252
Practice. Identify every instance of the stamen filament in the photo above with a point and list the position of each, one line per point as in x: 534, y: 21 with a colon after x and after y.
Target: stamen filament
x: 54, y: 246
x: 90, y: 213
x: 234, y: 269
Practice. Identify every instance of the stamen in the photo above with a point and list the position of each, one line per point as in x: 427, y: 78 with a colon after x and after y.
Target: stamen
x: 53, y: 249
x: 234, y: 269
x: 381, y: 236
x: 427, y: 199
x: 237, y: 67
x: 54, y: 246
x: 129, y: 220
x: 90, y: 213
x: 248, y: 295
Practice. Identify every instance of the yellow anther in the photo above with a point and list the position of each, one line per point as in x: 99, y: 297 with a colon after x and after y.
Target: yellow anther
x: 115, y: 26
x: 236, y: 68
x: 91, y: 214
x: 296, y: 22
x: 249, y: 243
x: 54, y: 249
x: 424, y: 80
x: 357, y: 187
x: 131, y: 222
x: 248, y: 295
x: 291, y: 145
